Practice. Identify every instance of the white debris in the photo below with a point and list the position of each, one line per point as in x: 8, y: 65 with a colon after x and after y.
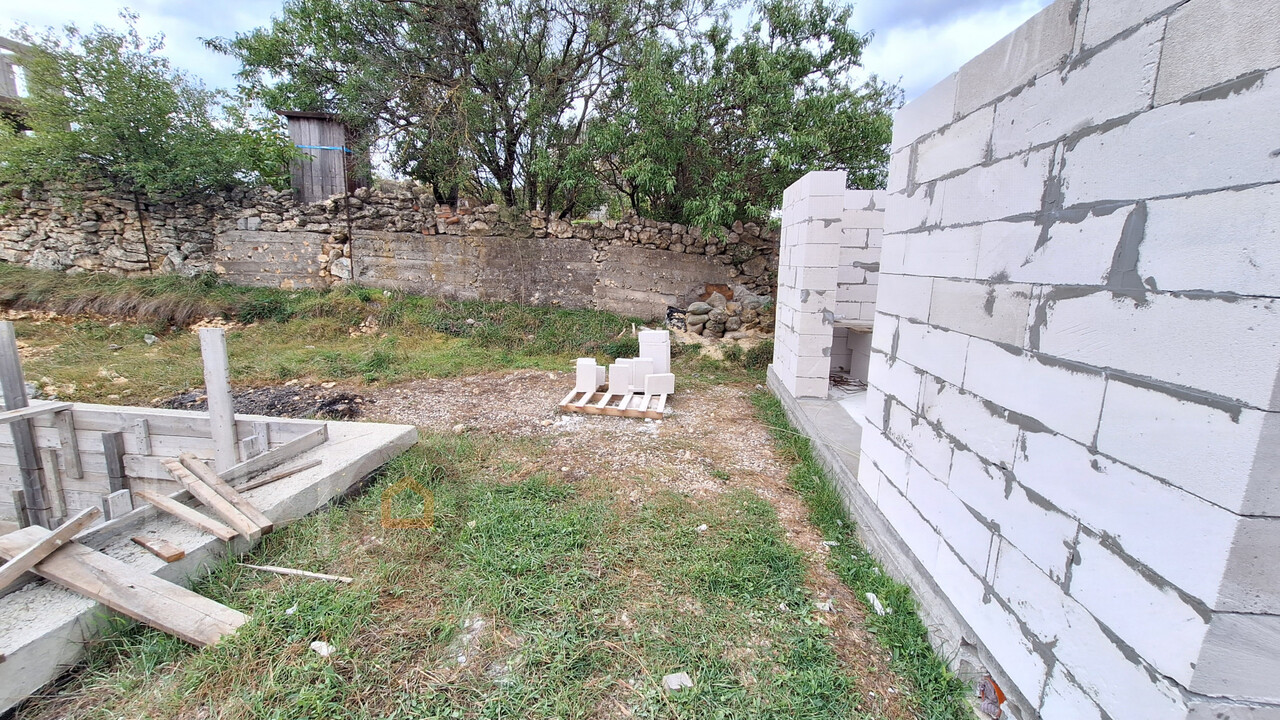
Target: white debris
x: 471, y: 523
x: 459, y: 429
x: 830, y: 543
x: 875, y: 605
x: 702, y: 528
x: 323, y: 649
x: 826, y: 606
x: 292, y: 610
x: 150, y: 339
x: 677, y: 681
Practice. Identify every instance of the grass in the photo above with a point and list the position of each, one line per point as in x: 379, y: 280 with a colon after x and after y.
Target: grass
x: 349, y: 334
x: 938, y: 691
x: 587, y: 603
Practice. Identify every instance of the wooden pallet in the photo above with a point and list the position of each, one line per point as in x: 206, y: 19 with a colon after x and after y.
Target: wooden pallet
x: 632, y: 405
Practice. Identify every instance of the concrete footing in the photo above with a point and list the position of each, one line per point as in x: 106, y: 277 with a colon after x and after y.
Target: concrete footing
x: 44, y: 628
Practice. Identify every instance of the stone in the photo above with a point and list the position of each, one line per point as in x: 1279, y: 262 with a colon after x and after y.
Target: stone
x: 341, y: 268
x: 733, y: 323
x: 701, y: 308
x: 718, y: 301
x: 676, y: 682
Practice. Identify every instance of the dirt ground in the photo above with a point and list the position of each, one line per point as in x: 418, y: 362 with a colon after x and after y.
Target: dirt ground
x: 709, y: 443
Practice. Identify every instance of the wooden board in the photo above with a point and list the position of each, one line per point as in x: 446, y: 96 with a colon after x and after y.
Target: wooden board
x: 27, y: 559
x: 276, y: 456
x: 161, y: 548
x: 631, y: 405
x: 39, y: 408
x: 127, y: 590
x: 278, y: 475
x: 210, y: 478
x: 212, y: 500
x: 188, y: 515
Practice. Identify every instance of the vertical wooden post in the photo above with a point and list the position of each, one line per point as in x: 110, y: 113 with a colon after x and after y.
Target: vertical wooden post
x: 20, y: 508
x: 70, y: 444
x: 217, y: 386
x: 113, y: 449
x: 14, y: 392
x: 53, y: 485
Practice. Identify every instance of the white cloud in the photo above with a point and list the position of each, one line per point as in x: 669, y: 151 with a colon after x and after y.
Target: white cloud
x: 917, y: 54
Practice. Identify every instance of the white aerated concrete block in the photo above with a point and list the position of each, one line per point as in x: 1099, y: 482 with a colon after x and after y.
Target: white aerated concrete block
x: 1000, y: 631
x: 954, y: 523
x: 1013, y: 186
x: 950, y: 252
x: 1122, y: 687
x: 656, y: 346
x: 1135, y: 509
x: 620, y: 378
x: 1118, y: 81
x: 915, y: 210
x: 1251, y: 586
x: 1213, y: 41
x: 1240, y: 659
x: 1106, y: 19
x: 1238, y: 229
x: 1064, y: 700
x: 659, y: 384
x: 1134, y: 161
x: 937, y: 352
x: 899, y: 170
x: 1039, y: 531
x: 1036, y: 47
x: 933, y: 109
x: 899, y: 380
x: 1205, y: 450
x: 586, y: 375
x: 927, y: 447
x: 892, y: 460
x: 1226, y: 348
x: 958, y: 146
x: 1162, y: 627
x: 977, y: 423
x: 910, y: 526
x: 996, y: 312
x: 906, y: 296
x: 1066, y: 400
x: 640, y: 369
x: 1074, y: 253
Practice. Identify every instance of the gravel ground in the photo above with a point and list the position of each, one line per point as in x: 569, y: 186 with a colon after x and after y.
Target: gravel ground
x: 709, y: 443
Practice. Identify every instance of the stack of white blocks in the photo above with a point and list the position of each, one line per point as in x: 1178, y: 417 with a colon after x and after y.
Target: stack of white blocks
x: 649, y: 374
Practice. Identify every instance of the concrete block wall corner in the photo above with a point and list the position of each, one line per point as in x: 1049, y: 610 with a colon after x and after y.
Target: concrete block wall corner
x: 1073, y: 414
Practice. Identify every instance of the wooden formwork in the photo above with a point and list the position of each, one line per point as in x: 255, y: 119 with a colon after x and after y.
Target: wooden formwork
x: 632, y: 405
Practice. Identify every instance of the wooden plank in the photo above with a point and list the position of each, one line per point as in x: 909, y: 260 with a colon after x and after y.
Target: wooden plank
x: 142, y: 436
x: 39, y: 408
x: 113, y: 449
x: 53, y: 485
x: 278, y: 475
x: 117, y: 504
x: 298, y: 573
x: 27, y: 559
x: 130, y: 591
x: 160, y: 547
x: 217, y: 386
x: 276, y: 456
x: 14, y: 393
x: 210, y: 478
x: 65, y: 423
x: 20, y: 507
x: 212, y: 500
x: 189, y: 515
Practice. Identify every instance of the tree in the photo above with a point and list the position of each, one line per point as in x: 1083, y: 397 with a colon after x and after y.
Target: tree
x: 469, y: 93
x: 106, y: 106
x: 705, y: 130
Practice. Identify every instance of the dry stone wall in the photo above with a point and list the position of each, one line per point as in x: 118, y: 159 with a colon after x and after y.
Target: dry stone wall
x: 396, y: 239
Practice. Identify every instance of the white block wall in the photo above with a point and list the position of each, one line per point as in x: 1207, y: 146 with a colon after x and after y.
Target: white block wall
x: 829, y: 262
x: 1074, y: 412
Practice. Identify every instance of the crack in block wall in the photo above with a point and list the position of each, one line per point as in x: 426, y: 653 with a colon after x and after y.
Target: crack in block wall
x: 1074, y: 405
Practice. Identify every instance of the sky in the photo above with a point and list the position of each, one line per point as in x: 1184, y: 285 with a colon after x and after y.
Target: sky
x: 917, y: 42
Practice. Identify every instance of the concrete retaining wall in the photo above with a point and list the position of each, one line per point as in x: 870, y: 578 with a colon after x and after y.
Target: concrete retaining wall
x: 1075, y: 409
x: 395, y: 239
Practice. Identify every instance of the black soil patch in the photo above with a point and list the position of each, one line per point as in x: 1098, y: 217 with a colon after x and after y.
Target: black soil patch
x: 286, y: 401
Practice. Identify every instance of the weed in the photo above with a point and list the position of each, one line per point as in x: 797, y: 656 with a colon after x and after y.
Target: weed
x: 624, y: 347
x: 938, y: 691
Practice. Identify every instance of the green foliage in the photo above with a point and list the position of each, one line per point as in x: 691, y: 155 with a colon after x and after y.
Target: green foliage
x: 568, y: 105
x: 626, y: 346
x: 706, y: 130
x: 107, y: 106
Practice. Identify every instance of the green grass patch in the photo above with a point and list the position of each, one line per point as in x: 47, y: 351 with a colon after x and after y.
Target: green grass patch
x: 587, y: 603
x: 938, y: 692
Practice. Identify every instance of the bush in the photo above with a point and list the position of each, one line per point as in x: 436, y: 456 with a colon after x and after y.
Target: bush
x: 759, y: 357
x: 623, y: 347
